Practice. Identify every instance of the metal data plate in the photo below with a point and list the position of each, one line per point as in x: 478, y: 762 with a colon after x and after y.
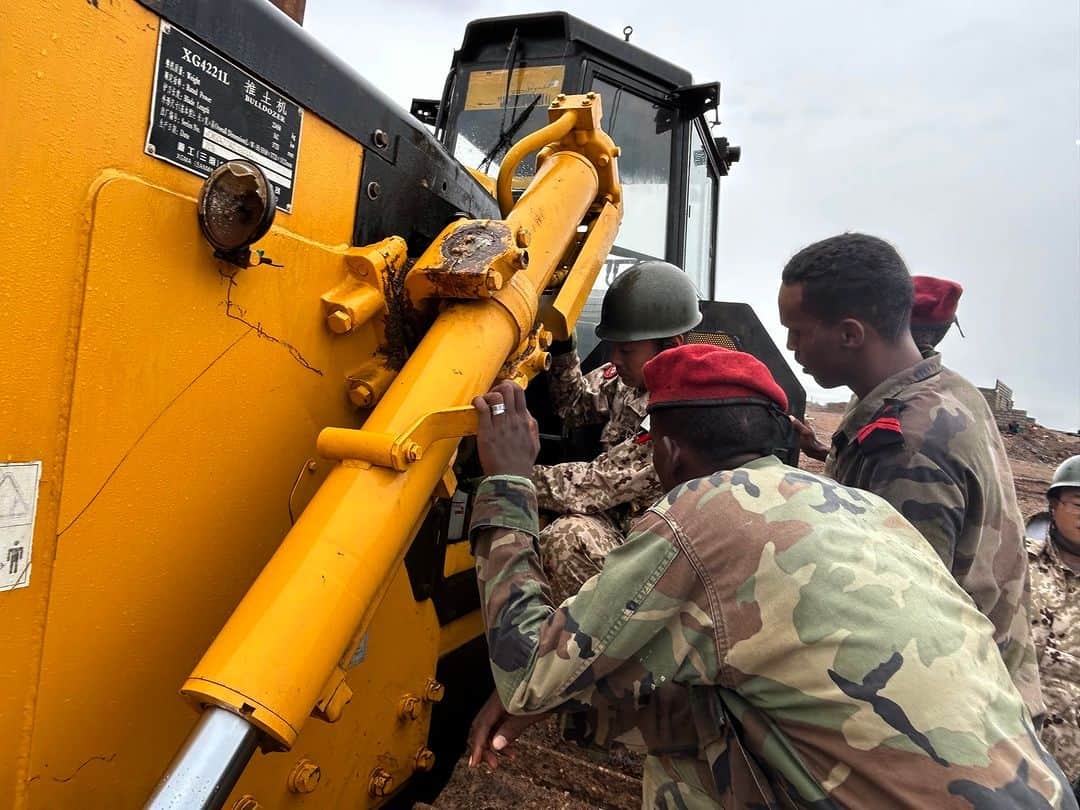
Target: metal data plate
x: 206, y: 110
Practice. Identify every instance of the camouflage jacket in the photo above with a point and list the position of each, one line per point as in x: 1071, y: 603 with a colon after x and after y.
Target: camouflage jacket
x: 1055, y: 598
x: 830, y: 658
x: 621, y: 480
x: 925, y: 441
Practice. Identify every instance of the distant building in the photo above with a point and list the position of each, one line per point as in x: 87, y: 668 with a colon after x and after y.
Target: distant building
x: 1000, y: 400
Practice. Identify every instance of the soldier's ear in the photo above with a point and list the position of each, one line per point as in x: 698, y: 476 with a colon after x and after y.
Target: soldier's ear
x: 852, y: 333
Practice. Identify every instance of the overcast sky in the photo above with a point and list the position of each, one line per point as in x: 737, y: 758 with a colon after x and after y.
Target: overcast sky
x: 951, y: 129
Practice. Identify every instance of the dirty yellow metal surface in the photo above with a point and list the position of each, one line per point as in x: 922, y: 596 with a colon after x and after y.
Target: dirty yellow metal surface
x: 172, y: 409
x: 174, y: 402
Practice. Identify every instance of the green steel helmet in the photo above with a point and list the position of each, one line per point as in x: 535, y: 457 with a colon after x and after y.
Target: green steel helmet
x: 1066, y: 476
x: 651, y: 300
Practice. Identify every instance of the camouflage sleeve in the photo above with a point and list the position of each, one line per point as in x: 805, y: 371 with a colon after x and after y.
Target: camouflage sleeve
x: 578, y: 399
x: 612, y: 643
x: 621, y: 474
x: 924, y: 492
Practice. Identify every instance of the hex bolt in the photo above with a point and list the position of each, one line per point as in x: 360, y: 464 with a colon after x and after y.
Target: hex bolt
x: 434, y: 691
x: 603, y: 160
x: 409, y: 708
x: 522, y: 237
x: 544, y: 338
x: 361, y: 394
x: 373, y: 190
x: 587, y: 102
x: 413, y: 452
x: 561, y: 97
x: 590, y: 95
x: 247, y: 802
x: 493, y: 281
x: 382, y: 782
x: 616, y: 151
x: 381, y: 139
x: 521, y: 259
x: 425, y: 759
x: 304, y: 777
x: 339, y: 322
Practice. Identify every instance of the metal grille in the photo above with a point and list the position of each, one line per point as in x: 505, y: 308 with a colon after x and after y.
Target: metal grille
x: 715, y: 339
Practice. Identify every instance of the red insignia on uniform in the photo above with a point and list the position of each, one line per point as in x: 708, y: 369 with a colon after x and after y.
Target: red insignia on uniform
x: 884, y: 429
x: 641, y: 438
x: 610, y: 371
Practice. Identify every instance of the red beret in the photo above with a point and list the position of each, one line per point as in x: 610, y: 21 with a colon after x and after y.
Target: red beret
x: 700, y: 374
x: 935, y: 300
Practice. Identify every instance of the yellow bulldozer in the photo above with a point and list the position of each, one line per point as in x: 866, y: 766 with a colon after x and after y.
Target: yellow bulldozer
x: 246, y: 301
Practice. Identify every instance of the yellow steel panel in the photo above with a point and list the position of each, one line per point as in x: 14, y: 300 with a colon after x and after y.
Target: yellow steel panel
x: 458, y: 559
x: 461, y: 631
x: 176, y: 490
x: 188, y: 428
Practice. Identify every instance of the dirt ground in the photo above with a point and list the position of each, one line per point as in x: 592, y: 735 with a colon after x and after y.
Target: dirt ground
x: 550, y: 774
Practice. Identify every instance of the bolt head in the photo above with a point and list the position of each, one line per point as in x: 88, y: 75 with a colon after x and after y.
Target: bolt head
x: 493, y: 281
x: 247, y: 802
x: 522, y: 237
x: 603, y: 160
x: 381, y: 783
x: 304, y: 777
x: 434, y: 691
x: 339, y: 322
x: 590, y: 95
x: 409, y: 708
x: 381, y: 139
x: 425, y: 759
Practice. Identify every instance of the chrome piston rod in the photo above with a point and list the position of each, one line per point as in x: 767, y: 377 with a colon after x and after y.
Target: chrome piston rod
x: 208, y: 766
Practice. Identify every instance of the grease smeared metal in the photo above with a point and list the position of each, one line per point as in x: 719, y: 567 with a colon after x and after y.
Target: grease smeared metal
x: 401, y: 332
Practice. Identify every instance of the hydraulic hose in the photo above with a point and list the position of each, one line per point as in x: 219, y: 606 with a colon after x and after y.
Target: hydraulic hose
x: 555, y: 131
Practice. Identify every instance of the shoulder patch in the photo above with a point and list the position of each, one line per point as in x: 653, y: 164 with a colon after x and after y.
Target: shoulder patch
x: 883, y: 430
x: 610, y: 371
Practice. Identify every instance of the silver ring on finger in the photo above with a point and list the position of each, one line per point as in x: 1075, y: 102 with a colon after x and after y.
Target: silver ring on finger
x: 498, y: 409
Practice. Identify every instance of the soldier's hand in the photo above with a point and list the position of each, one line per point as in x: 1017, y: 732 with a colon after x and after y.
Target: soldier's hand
x: 494, y: 730
x: 507, y: 439
x: 808, y: 440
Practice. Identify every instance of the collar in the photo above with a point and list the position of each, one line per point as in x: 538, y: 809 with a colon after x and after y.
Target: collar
x: 1054, y: 555
x: 763, y: 463
x: 636, y: 399
x: 863, y: 410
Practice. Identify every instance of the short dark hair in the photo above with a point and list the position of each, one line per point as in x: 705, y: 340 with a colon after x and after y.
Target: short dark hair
x: 854, y: 275
x: 717, y: 432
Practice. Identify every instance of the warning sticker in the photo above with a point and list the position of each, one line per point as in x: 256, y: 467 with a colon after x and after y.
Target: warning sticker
x: 488, y: 90
x: 18, y: 507
x: 206, y: 110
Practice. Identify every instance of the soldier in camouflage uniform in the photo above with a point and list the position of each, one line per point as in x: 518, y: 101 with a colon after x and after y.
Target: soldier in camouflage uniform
x: 933, y: 312
x: 785, y: 641
x: 647, y: 309
x: 919, y: 435
x: 1054, y: 552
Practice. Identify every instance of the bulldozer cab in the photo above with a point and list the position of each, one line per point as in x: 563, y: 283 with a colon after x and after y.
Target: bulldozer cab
x: 501, y: 82
x: 509, y: 69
